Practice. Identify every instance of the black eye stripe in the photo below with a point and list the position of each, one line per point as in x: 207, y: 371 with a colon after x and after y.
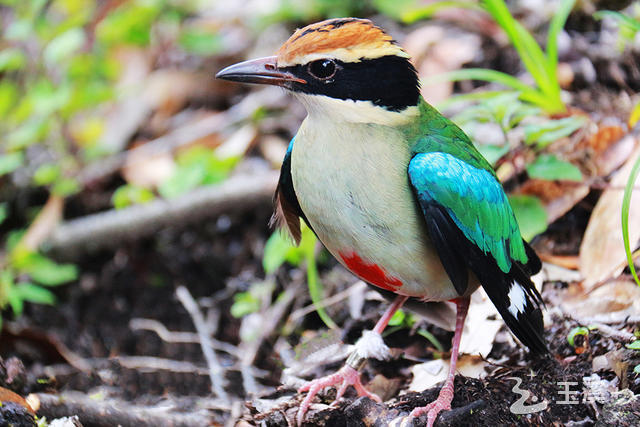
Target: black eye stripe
x: 389, y: 81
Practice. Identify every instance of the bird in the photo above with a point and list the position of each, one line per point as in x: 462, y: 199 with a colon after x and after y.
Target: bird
x: 394, y: 190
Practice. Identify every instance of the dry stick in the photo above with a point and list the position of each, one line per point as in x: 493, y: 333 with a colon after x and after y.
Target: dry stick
x: 114, y: 412
x: 178, y: 337
x: 167, y: 143
x: 270, y: 320
x: 111, y: 228
x: 215, y: 370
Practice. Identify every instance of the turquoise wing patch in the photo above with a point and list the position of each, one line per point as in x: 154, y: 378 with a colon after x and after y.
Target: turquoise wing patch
x: 475, y: 201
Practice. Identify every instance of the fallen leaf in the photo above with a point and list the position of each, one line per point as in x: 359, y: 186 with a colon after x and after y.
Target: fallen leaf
x: 7, y: 395
x: 614, y: 302
x: 429, y: 374
x: 239, y: 143
x: 481, y: 326
x: 148, y: 171
x: 602, y: 253
x: 124, y: 118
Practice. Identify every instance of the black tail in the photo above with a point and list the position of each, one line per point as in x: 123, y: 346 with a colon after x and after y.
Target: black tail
x: 513, y: 293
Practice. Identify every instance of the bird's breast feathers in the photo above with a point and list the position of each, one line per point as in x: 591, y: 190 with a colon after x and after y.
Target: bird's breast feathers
x: 351, y: 182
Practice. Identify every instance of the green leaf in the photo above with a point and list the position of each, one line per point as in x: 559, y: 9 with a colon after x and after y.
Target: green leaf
x: 398, y: 318
x: 45, y: 271
x: 543, y: 134
x: 200, y: 42
x: 10, y: 162
x: 431, y: 338
x: 4, y: 212
x: 626, y: 206
x: 244, y: 303
x: 634, y: 345
x: 16, y: 301
x: 63, y: 46
x: 557, y: 24
x: 530, y: 214
x: 6, y: 283
x: 33, y: 293
x: 276, y: 251
x: 578, y: 330
x: 182, y: 181
x: 492, y: 153
x: 316, y: 290
x: 66, y: 186
x: 28, y: 133
x: 8, y: 96
x: 528, y: 49
x: 549, y: 167
x: 127, y: 195
x: 12, y: 59
x: 410, y: 11
x: 46, y: 174
x: 621, y: 18
x: 636, y: 370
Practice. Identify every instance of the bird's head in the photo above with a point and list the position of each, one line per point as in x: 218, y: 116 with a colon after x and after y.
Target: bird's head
x: 346, y: 68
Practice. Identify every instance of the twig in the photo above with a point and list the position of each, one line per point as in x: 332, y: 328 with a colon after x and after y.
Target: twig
x: 334, y: 299
x: 108, y: 229
x: 215, y: 370
x: 269, y: 322
x: 618, y: 334
x: 178, y: 337
x: 114, y: 412
x: 167, y: 143
x: 150, y: 363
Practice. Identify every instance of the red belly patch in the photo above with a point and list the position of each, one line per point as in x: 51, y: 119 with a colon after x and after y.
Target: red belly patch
x: 369, y: 272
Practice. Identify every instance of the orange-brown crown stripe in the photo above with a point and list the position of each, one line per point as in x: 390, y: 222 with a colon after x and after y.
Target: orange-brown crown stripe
x: 350, y: 39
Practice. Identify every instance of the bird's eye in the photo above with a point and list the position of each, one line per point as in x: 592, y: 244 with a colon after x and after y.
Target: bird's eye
x: 323, y: 69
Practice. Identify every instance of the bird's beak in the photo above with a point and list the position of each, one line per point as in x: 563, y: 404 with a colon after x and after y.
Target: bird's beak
x: 261, y: 70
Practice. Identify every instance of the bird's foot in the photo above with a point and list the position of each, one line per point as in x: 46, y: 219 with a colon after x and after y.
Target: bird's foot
x: 442, y: 403
x: 345, y: 377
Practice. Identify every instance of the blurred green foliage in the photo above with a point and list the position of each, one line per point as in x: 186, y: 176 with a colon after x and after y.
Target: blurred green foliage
x: 628, y: 25
x: 59, y: 69
x: 25, y: 276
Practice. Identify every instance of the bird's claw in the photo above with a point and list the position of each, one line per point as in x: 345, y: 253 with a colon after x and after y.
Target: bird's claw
x: 433, y: 409
x: 345, y: 377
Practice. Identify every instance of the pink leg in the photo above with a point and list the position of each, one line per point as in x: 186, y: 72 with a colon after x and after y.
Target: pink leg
x: 348, y: 374
x: 443, y: 402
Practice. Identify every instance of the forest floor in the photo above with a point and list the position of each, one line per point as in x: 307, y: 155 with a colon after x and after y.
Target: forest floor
x: 129, y: 343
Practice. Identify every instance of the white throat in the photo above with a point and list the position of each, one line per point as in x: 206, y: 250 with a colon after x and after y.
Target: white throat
x: 346, y: 110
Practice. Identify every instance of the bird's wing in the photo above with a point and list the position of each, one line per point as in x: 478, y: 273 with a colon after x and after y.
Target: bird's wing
x: 287, y: 212
x: 472, y: 227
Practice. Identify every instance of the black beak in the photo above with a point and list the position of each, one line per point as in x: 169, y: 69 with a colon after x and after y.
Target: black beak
x: 261, y: 70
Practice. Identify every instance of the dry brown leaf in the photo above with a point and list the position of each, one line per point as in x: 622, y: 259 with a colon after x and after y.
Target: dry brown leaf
x: 123, y: 119
x: 44, y: 224
x: 166, y: 91
x: 602, y: 252
x: 558, y: 197
x: 273, y: 148
x: 148, y: 171
x: 7, y: 395
x: 239, y: 143
x: 612, y: 302
x: 571, y: 262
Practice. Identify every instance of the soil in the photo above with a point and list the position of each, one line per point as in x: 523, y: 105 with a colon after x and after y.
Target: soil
x: 86, y: 342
